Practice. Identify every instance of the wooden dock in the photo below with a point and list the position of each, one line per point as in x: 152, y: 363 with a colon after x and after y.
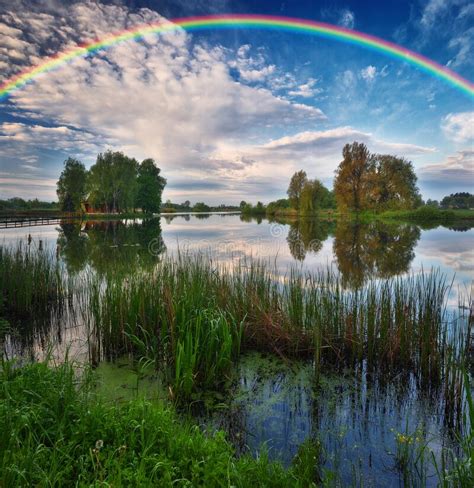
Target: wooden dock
x: 9, y: 222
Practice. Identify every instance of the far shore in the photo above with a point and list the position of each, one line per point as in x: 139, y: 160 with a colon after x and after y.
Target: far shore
x: 416, y: 216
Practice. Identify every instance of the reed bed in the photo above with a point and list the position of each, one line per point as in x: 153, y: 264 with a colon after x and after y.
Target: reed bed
x: 32, y: 282
x: 192, y: 317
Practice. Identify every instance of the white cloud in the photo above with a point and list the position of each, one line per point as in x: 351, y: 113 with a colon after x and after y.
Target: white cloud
x: 347, y: 19
x: 163, y: 97
x: 257, y: 74
x: 27, y: 35
x: 251, y: 68
x: 448, y: 21
x: 29, y: 186
x: 459, y: 127
x: 348, y: 79
x: 463, y: 43
x: 457, y: 168
x: 342, y: 16
x: 466, y: 11
x: 23, y: 138
x: 305, y: 90
x: 368, y: 73
x: 431, y: 12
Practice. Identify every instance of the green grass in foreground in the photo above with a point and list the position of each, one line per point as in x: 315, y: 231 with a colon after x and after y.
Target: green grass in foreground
x: 56, y: 432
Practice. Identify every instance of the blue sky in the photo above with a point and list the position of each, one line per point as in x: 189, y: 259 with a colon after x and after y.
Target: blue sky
x: 230, y: 115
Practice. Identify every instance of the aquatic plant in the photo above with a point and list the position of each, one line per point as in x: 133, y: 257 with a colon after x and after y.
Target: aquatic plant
x: 192, y: 316
x: 456, y: 467
x: 32, y: 282
x: 57, y: 431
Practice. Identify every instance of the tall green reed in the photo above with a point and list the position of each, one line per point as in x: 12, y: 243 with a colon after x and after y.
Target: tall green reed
x: 192, y: 316
x: 32, y: 282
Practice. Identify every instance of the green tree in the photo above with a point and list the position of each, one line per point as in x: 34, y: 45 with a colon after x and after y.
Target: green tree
x: 71, y: 186
x: 113, y: 181
x: 201, y: 207
x: 314, y: 196
x: 260, y: 207
x: 395, y: 183
x: 297, y: 183
x: 354, y: 177
x: 150, y: 187
x: 277, y: 206
x: 458, y: 200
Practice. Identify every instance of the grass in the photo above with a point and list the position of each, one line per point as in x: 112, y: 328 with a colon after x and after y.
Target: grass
x: 422, y: 215
x: 57, y: 432
x: 425, y: 214
x: 192, y: 317
x: 32, y: 282
x: 396, y: 325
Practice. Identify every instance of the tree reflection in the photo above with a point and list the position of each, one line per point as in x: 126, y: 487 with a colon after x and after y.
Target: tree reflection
x: 73, y: 245
x: 110, y: 245
x: 375, y: 249
x: 307, y: 235
x: 252, y: 218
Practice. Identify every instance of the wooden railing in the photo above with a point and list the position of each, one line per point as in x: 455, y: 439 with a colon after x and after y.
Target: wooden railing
x: 29, y: 219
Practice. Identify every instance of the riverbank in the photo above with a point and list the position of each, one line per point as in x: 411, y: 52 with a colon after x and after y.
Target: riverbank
x: 194, y: 316
x: 62, y: 427
x: 422, y: 214
x: 193, y: 321
x: 58, y: 431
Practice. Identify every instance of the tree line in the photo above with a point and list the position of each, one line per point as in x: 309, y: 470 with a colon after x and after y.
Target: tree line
x: 115, y: 183
x: 187, y: 206
x: 363, y: 181
x: 17, y: 204
x: 461, y: 200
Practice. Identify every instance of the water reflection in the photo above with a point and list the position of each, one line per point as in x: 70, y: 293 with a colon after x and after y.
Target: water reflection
x: 375, y: 249
x: 109, y: 245
x: 359, y: 250
x: 278, y: 405
x: 307, y: 235
x: 251, y: 218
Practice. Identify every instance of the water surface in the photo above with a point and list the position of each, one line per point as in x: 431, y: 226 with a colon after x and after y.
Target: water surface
x: 274, y: 404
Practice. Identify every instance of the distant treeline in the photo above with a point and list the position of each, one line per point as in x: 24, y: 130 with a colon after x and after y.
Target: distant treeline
x: 187, y: 206
x: 463, y: 200
x: 19, y: 204
x: 363, y: 182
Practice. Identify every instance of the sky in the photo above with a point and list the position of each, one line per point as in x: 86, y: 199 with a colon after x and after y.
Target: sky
x: 230, y: 115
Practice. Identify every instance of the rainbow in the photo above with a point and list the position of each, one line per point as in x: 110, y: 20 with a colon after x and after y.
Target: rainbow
x: 242, y: 21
